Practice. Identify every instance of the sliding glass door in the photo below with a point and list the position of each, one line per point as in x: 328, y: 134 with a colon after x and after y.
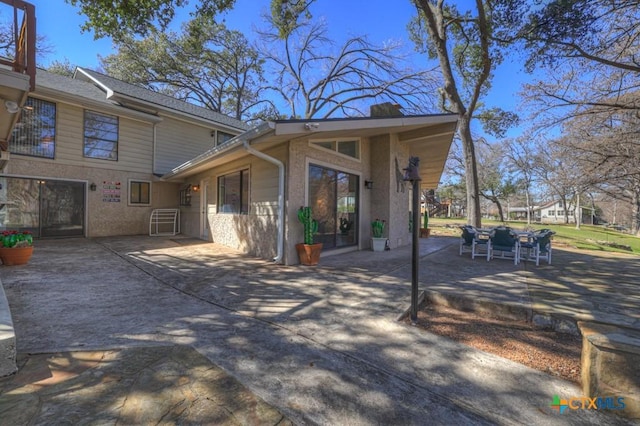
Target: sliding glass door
x: 333, y: 197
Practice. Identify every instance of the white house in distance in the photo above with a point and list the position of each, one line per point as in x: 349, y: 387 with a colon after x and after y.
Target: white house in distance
x: 553, y: 212
x: 92, y: 156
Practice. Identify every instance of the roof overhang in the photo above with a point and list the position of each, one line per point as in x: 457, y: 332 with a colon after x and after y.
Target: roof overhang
x: 429, y: 137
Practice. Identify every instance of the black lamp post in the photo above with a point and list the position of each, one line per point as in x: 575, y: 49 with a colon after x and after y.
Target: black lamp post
x: 412, y: 175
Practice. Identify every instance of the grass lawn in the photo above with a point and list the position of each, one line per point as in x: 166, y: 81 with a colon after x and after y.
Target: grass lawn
x: 588, y: 237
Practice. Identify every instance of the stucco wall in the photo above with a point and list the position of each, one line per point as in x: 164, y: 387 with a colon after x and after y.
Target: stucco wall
x: 255, y: 233
x: 390, y: 196
x: 301, y: 154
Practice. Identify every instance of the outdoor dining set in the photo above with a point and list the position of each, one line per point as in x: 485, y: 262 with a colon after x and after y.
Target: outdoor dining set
x: 503, y: 242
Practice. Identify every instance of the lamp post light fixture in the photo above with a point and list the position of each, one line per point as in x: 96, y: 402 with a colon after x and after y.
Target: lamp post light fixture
x: 412, y: 175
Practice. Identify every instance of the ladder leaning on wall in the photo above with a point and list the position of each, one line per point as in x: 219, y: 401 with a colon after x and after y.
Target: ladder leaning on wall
x: 164, y: 222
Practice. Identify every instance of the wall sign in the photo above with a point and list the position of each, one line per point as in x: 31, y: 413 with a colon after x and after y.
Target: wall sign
x: 111, y: 192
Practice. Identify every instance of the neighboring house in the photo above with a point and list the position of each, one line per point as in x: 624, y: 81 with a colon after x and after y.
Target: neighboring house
x: 86, y: 153
x: 345, y: 169
x: 553, y: 212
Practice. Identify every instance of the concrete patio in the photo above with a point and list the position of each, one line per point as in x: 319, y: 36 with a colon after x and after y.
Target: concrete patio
x: 319, y: 345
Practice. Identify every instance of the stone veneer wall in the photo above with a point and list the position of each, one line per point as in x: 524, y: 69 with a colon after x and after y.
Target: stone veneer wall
x: 254, y: 233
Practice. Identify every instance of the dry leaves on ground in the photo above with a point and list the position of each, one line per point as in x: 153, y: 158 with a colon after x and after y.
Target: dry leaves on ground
x: 545, y: 350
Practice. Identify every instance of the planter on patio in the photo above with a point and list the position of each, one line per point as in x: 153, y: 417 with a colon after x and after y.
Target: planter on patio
x: 378, y: 244
x: 16, y: 247
x: 15, y: 255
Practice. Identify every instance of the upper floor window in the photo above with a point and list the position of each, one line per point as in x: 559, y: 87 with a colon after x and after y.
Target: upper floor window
x: 139, y: 192
x: 35, y: 132
x: 100, y: 136
x: 222, y: 137
x: 348, y: 147
x: 233, y: 192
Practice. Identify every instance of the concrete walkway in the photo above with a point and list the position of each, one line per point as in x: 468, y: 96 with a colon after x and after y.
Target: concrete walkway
x: 319, y: 345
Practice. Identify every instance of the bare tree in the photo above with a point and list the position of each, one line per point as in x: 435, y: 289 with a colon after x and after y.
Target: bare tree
x: 316, y: 79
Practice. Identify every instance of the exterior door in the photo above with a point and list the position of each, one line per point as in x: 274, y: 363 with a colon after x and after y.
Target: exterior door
x: 62, y: 208
x: 333, y: 198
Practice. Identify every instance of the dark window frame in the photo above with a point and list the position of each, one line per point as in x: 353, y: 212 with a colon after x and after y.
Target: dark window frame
x: 140, y: 201
x: 237, y: 202
x: 32, y: 119
x: 94, y: 141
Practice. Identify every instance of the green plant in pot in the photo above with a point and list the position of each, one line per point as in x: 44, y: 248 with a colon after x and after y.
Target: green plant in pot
x: 308, y: 252
x: 16, y: 247
x: 424, y: 231
x: 378, y: 242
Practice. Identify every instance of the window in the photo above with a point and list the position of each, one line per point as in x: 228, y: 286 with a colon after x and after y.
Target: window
x: 551, y: 212
x: 185, y: 195
x: 233, y: 192
x: 560, y: 212
x: 100, y: 136
x: 139, y: 192
x: 222, y: 137
x: 35, y: 131
x: 348, y: 147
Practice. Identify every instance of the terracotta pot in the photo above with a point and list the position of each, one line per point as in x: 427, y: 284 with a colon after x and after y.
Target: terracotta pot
x: 15, y: 255
x: 309, y: 254
x: 424, y: 232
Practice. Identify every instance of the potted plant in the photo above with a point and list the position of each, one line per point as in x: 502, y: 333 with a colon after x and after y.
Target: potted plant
x: 425, y: 231
x: 308, y: 252
x: 378, y: 242
x: 16, y: 247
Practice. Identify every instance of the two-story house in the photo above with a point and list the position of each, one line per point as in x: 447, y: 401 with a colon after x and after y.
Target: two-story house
x: 94, y: 156
x: 86, y: 155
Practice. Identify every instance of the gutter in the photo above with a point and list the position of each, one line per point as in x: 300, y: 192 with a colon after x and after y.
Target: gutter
x: 280, y: 223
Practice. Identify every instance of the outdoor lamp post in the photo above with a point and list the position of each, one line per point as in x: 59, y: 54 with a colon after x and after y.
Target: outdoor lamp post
x: 412, y: 175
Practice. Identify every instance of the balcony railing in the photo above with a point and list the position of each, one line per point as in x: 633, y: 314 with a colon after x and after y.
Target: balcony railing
x: 22, y: 47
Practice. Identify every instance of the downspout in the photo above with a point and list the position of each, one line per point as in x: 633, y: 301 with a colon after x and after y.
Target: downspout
x: 280, y: 222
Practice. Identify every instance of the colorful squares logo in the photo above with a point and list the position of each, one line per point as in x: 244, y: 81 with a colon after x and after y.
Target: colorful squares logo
x: 559, y: 404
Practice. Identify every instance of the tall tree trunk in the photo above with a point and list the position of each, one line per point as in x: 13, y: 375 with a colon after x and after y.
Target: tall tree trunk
x: 474, y: 214
x: 635, y: 215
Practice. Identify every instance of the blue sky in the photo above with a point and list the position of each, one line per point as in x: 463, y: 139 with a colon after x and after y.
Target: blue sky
x: 60, y: 23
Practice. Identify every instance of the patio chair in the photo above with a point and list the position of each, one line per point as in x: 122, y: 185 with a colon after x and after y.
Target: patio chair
x: 470, y: 240
x: 505, y: 241
x: 539, y: 247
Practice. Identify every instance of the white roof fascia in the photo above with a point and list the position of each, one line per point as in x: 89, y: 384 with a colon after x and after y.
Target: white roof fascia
x: 115, y: 96
x: 97, y: 82
x: 56, y: 96
x: 360, y: 124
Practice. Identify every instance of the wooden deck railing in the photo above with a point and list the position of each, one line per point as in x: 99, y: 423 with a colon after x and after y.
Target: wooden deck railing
x: 24, y: 39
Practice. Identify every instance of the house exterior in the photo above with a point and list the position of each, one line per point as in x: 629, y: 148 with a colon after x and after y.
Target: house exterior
x: 92, y: 156
x: 85, y: 155
x: 554, y: 212
x: 347, y: 170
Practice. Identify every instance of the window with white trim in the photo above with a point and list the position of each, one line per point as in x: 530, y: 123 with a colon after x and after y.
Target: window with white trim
x: 233, y: 192
x: 348, y: 147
